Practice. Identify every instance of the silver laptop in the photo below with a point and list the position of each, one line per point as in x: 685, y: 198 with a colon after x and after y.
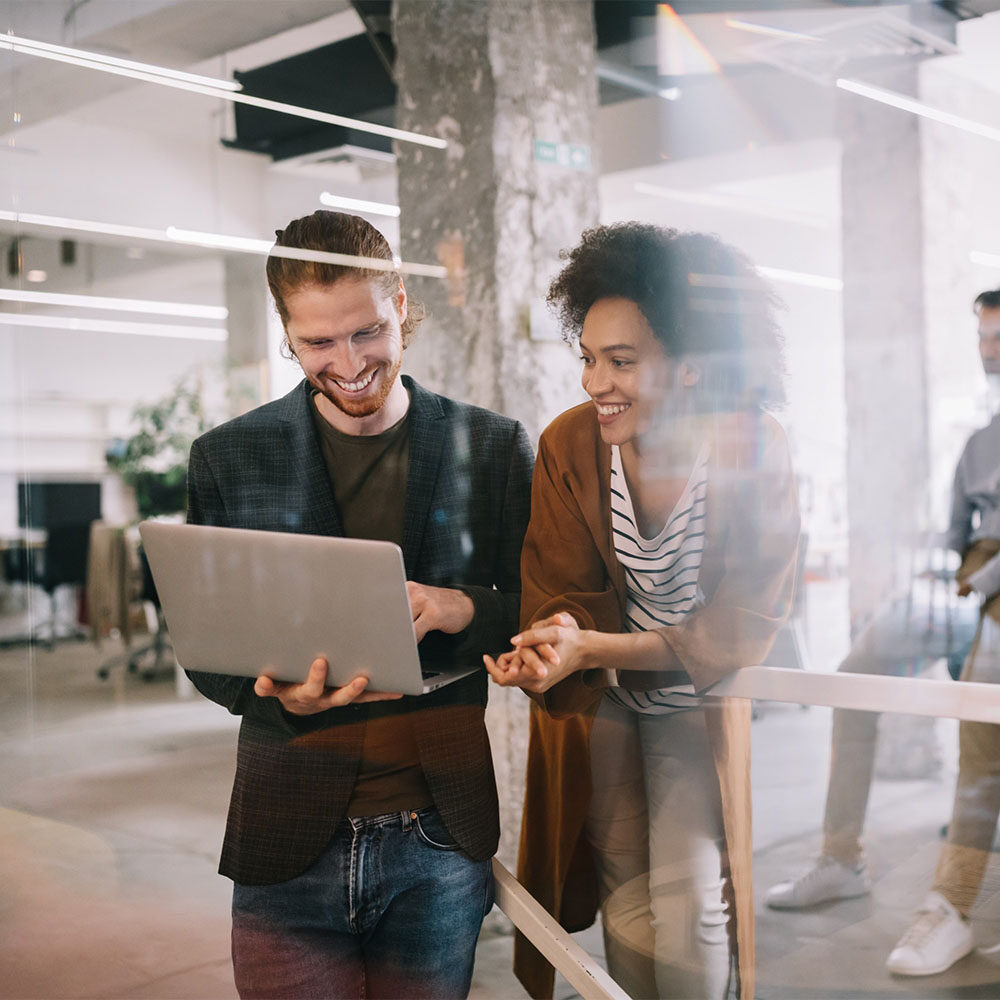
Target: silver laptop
x: 264, y: 602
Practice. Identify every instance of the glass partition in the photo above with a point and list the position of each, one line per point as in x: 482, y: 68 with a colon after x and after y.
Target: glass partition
x: 842, y: 156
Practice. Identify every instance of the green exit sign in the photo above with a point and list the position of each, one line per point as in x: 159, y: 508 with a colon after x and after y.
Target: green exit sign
x: 563, y: 154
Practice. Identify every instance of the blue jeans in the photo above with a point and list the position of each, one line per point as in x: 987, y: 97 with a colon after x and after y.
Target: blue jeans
x: 391, y: 909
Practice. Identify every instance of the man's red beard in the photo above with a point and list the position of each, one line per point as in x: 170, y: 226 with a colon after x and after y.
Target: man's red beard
x: 370, y: 404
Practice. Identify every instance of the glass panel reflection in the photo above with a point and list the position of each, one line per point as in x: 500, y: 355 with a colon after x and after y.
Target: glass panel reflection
x: 150, y: 153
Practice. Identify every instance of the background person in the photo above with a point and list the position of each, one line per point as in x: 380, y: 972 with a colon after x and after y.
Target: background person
x: 940, y: 933
x: 660, y: 556
x: 360, y: 831
x: 906, y: 637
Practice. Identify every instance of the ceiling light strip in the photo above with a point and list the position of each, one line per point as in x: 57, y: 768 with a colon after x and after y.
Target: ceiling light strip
x: 148, y: 76
x: 84, y: 226
x: 767, y: 29
x: 359, y: 205
x: 370, y: 263
x: 188, y: 309
x: 904, y: 103
x: 33, y: 47
x: 80, y: 325
x: 629, y: 78
x: 218, y: 241
x: 132, y: 74
x: 822, y: 281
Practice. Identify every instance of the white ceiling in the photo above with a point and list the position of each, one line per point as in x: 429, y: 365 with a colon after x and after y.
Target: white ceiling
x: 176, y: 33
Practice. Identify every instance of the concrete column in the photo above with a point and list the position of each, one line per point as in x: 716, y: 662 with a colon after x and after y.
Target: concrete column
x: 512, y: 87
x: 247, y: 350
x: 516, y: 184
x: 884, y: 335
x: 885, y: 367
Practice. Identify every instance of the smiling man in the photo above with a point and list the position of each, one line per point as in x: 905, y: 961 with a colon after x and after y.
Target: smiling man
x: 362, y: 824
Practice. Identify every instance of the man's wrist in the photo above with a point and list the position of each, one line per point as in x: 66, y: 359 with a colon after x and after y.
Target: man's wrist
x: 468, y: 609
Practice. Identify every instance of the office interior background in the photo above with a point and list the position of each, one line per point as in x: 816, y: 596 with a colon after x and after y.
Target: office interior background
x: 851, y: 149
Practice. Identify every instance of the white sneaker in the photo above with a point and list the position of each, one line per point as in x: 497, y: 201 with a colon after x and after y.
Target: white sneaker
x: 825, y: 881
x: 935, y: 941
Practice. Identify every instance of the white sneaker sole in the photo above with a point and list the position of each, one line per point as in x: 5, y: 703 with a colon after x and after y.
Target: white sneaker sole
x: 781, y: 904
x: 898, y: 970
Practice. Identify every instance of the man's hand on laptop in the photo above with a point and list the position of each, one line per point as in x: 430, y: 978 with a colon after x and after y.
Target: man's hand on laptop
x: 439, y: 608
x: 313, y: 695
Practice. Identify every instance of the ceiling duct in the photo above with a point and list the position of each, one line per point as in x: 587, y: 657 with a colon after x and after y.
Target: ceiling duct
x: 354, y: 77
x: 877, y: 34
x: 346, y: 78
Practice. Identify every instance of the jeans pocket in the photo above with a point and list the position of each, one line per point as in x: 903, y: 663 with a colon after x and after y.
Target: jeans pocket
x: 432, y: 831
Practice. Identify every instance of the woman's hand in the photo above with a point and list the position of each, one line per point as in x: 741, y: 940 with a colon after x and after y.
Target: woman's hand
x: 557, y: 643
x: 543, y: 655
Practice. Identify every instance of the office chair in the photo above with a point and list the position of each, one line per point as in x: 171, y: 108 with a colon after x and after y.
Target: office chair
x: 159, y: 645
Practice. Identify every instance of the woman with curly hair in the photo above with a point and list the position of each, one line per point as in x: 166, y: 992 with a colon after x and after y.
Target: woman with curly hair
x: 660, y: 557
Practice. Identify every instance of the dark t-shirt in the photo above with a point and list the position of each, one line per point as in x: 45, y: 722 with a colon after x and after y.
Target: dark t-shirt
x: 368, y: 474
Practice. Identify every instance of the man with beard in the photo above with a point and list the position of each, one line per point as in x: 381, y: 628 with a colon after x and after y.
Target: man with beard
x: 362, y: 824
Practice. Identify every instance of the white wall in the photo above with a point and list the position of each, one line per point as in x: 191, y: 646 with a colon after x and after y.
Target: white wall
x: 962, y: 214
x: 781, y: 206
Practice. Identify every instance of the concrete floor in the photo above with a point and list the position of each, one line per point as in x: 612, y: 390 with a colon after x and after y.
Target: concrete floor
x: 112, y: 807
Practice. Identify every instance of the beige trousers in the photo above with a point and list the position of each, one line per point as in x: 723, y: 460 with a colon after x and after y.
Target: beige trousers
x: 964, y: 857
x: 655, y: 824
x: 904, y: 639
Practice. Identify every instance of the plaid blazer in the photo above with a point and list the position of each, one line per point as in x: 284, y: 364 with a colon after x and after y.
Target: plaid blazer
x: 467, y: 504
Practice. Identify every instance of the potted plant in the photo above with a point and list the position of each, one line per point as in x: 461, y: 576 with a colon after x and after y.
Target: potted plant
x: 153, y: 461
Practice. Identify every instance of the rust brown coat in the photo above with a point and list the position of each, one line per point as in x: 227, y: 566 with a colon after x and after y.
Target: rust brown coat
x: 568, y: 564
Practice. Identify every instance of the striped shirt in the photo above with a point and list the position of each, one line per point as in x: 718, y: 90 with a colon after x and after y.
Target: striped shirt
x: 661, y: 574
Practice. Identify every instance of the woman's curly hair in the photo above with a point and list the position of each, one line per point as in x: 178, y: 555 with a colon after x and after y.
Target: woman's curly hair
x: 703, y: 299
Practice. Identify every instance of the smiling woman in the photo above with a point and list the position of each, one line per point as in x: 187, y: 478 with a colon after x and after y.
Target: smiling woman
x: 659, y: 557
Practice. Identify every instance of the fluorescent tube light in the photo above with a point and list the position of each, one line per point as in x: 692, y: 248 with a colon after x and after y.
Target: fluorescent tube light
x: 114, y: 326
x: 372, y: 263
x: 984, y: 258
x: 822, y: 281
x: 359, y: 205
x: 116, y: 70
x: 904, y: 103
x: 626, y: 77
x: 115, y: 304
x: 32, y: 47
x: 766, y: 29
x: 84, y: 226
x: 218, y: 241
x: 245, y: 245
x: 152, y: 75
x: 423, y: 270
